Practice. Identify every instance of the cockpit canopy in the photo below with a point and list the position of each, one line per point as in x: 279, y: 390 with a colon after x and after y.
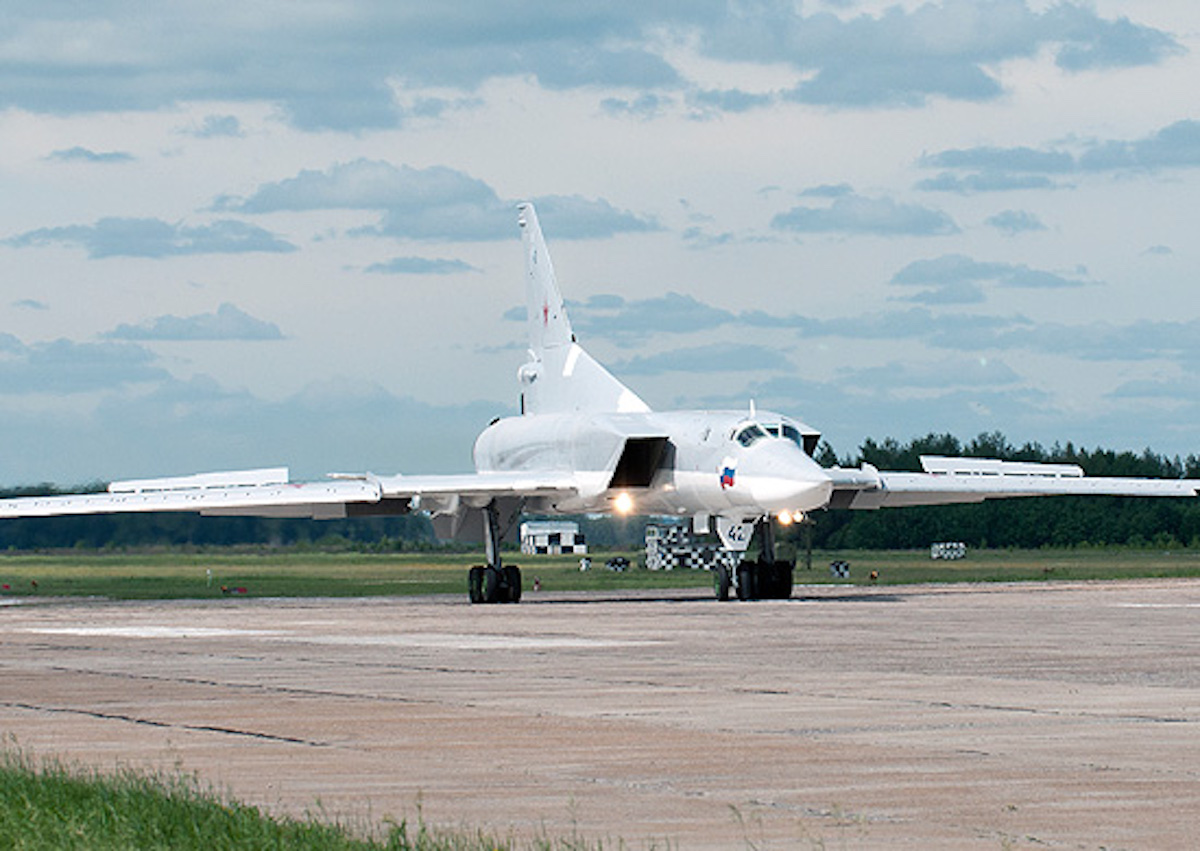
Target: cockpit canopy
x: 751, y: 432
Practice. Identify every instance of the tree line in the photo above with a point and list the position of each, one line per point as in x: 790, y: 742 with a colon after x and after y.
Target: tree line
x: 1028, y: 522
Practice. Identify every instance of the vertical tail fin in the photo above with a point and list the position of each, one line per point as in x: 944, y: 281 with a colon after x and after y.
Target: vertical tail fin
x: 548, y: 322
x: 560, y: 376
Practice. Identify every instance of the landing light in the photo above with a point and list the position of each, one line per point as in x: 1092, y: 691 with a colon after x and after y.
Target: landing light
x: 623, y: 503
x: 787, y: 518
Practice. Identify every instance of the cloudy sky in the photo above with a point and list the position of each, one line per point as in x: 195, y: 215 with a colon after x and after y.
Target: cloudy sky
x: 284, y: 233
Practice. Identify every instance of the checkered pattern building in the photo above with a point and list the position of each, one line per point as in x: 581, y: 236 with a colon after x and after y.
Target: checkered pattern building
x: 552, y: 539
x: 672, y: 546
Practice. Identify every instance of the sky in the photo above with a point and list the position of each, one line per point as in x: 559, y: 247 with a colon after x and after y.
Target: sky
x: 238, y: 235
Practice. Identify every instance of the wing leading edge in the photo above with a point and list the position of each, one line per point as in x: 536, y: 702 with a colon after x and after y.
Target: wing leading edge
x: 269, y: 493
x: 947, y: 481
x: 266, y: 493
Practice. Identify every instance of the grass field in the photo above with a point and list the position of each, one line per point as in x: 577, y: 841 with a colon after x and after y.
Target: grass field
x: 168, y: 575
x: 46, y: 806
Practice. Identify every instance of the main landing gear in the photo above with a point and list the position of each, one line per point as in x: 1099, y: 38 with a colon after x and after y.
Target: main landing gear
x: 494, y: 582
x: 765, y: 578
x: 486, y: 584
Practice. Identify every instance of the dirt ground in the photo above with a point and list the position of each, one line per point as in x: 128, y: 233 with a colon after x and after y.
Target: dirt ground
x: 1014, y: 716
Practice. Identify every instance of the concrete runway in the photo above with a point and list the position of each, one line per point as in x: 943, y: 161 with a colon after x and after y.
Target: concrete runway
x: 1013, y: 716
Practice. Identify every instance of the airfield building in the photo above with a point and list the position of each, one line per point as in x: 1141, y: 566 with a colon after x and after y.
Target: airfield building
x: 552, y: 538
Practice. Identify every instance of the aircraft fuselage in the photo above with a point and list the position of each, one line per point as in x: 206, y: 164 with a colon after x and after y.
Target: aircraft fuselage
x: 718, y: 463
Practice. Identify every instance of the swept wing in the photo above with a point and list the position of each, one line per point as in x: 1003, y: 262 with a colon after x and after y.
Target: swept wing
x: 947, y: 481
x: 269, y: 493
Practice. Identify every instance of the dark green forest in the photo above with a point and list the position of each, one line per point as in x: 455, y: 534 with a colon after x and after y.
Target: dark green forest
x: 1028, y: 522
x: 1031, y: 522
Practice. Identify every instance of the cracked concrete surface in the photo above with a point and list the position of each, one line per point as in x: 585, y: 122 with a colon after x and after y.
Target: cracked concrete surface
x: 1009, y: 716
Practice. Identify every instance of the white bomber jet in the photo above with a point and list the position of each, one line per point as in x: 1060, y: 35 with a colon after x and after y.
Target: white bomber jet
x: 586, y: 443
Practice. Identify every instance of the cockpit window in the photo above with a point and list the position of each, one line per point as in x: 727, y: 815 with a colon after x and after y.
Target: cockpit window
x: 750, y: 435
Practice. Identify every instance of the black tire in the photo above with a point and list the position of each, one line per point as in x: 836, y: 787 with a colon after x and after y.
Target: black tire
x: 512, y: 581
x: 491, y: 585
x: 475, y: 584
x: 721, y: 582
x: 782, y: 579
x: 747, y: 581
x: 765, y: 583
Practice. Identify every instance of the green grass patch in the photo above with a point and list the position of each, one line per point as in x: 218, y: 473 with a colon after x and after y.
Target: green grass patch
x: 189, y: 575
x: 47, y: 806
x: 910, y: 567
x: 197, y: 575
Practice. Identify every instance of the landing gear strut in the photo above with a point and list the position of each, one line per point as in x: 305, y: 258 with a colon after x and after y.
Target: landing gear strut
x: 494, y: 582
x: 766, y: 578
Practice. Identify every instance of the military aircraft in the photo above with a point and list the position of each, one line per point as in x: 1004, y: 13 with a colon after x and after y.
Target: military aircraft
x: 586, y: 443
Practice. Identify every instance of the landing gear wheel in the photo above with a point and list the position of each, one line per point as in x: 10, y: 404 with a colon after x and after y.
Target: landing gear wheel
x: 492, y: 581
x: 747, y: 581
x: 512, y: 580
x: 768, y: 580
x: 788, y: 579
x: 721, y: 582
x: 778, y: 582
x: 475, y: 584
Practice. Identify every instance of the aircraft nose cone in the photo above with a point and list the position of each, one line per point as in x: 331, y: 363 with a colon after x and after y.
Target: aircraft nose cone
x: 789, y: 484
x: 775, y: 494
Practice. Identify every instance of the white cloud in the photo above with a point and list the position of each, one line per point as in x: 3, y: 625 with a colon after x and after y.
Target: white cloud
x: 993, y: 169
x: 419, y: 266
x: 1020, y: 159
x: 985, y: 182
x: 958, y: 279
x: 181, y: 427
x: 947, y: 49
x: 79, y: 154
x: 63, y: 366
x: 118, y: 237
x: 435, y: 203
x: 943, y: 374
x: 1174, y: 146
x: 613, y: 317
x: 368, y: 185
x: 1013, y: 222
x: 855, y: 214
x: 228, y: 323
x: 706, y: 359
x: 215, y: 126
x: 333, y: 67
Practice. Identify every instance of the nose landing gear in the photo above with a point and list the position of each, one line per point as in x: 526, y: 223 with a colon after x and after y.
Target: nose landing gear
x: 765, y: 578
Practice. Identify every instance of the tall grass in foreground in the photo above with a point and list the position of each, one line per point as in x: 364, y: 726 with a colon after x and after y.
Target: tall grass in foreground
x: 47, y: 805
